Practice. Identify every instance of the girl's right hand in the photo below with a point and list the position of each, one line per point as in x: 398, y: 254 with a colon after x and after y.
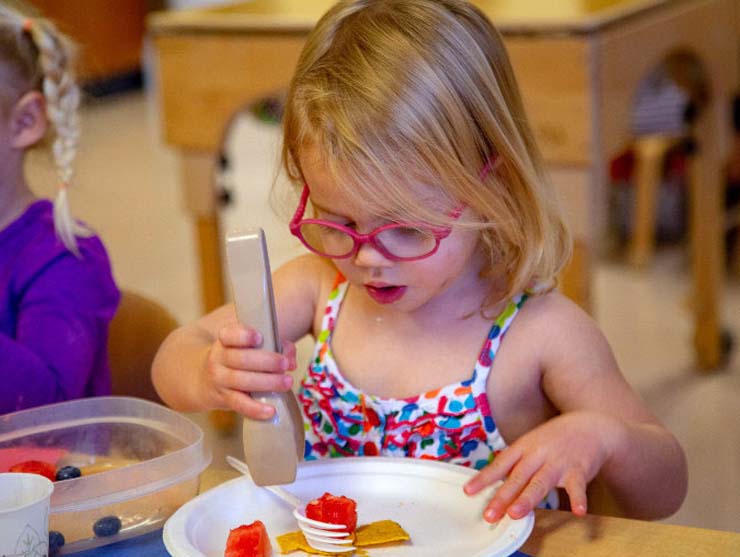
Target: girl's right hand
x: 237, y: 366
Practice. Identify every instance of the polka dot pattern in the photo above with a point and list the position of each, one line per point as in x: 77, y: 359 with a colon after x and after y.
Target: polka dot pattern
x: 453, y: 423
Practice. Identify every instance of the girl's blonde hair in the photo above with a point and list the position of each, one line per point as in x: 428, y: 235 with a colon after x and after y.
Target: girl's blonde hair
x: 402, y: 96
x: 38, y: 57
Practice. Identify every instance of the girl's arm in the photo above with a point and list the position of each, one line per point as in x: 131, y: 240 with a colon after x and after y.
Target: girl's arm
x: 215, y: 361
x: 603, y: 428
x: 55, y: 351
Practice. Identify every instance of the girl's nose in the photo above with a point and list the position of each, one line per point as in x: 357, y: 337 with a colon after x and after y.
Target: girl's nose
x: 368, y: 256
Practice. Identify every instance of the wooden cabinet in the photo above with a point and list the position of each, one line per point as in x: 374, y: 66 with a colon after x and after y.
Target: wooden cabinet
x: 108, y: 33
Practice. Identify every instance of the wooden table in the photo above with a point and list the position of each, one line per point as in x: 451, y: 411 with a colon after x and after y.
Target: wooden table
x: 561, y: 534
x: 578, y: 65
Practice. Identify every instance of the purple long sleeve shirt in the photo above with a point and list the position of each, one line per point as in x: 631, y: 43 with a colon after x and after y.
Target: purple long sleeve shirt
x: 54, y: 314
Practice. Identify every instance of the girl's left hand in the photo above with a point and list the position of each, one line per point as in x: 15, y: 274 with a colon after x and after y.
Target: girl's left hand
x: 566, y: 451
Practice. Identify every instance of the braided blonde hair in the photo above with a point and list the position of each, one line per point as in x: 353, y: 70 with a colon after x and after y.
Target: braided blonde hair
x: 40, y: 58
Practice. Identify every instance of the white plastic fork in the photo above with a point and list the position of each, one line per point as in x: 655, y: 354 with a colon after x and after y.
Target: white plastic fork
x: 323, y: 536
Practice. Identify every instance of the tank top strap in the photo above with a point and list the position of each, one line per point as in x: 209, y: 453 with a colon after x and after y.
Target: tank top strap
x: 336, y: 296
x: 495, y: 335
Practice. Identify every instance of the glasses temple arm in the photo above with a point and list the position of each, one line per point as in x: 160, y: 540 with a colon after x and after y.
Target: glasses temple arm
x: 301, y: 209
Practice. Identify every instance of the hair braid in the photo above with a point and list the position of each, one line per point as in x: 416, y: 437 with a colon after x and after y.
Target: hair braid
x: 62, y: 101
x: 43, y: 57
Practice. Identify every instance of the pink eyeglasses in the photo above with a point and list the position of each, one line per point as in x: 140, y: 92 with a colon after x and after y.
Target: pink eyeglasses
x: 402, y: 241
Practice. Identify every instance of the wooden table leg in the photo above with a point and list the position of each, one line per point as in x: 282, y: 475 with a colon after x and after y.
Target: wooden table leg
x: 197, y: 175
x: 575, y: 279
x: 209, y: 255
x: 574, y: 188
x: 707, y: 244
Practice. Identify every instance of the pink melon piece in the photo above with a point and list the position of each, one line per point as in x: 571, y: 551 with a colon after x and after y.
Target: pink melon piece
x: 13, y: 455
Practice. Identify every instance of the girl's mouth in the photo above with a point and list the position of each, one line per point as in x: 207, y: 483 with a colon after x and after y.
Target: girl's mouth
x: 385, y: 294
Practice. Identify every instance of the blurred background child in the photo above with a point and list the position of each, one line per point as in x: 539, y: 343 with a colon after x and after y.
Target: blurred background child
x: 57, y: 294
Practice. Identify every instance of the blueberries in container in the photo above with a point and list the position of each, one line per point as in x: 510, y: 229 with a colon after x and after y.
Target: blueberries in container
x: 56, y: 541
x: 67, y: 473
x: 107, y: 526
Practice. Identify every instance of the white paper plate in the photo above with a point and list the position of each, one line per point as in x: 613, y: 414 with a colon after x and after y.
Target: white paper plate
x: 424, y: 497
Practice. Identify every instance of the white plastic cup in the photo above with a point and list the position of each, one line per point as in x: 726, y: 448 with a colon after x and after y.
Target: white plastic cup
x: 24, y: 514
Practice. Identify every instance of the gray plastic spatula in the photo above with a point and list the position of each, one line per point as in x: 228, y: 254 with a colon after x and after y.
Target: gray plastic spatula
x: 272, y: 448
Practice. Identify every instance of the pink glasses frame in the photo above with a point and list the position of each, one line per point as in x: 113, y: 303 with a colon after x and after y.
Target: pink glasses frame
x: 370, y: 238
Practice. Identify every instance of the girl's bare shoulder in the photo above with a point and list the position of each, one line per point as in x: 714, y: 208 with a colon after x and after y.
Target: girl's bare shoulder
x: 307, y: 273
x: 301, y: 286
x: 560, y: 331
x: 554, y: 314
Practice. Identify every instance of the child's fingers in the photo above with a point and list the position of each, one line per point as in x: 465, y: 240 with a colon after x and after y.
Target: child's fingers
x: 513, y: 485
x: 237, y: 336
x: 247, y: 406
x: 497, y: 470
x: 535, y: 491
x: 249, y: 381
x: 254, y: 360
x: 575, y: 487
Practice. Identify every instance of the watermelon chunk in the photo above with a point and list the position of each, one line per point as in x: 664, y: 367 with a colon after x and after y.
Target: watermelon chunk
x: 334, y: 510
x: 249, y: 540
x: 12, y: 455
x: 36, y: 467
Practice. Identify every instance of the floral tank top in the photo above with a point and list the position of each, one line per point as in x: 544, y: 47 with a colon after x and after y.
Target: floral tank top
x: 452, y: 423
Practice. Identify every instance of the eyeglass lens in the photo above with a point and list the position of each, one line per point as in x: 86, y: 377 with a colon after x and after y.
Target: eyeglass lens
x: 399, y: 241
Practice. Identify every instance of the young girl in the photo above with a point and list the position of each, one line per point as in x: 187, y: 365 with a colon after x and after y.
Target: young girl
x: 57, y: 294
x: 435, y: 244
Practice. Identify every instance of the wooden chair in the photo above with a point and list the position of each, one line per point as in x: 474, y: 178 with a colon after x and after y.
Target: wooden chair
x: 136, y: 332
x: 683, y: 69
x: 650, y: 152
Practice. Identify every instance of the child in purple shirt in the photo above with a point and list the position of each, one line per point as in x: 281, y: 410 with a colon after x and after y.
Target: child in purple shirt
x: 57, y: 294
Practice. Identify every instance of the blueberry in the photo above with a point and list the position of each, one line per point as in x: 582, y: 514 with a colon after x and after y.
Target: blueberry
x: 56, y: 541
x: 107, y: 526
x: 68, y: 472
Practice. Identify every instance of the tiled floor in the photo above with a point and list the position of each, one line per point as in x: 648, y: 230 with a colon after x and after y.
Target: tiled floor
x: 127, y: 188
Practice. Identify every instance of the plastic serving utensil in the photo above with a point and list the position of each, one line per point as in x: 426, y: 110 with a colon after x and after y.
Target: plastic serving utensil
x: 272, y: 448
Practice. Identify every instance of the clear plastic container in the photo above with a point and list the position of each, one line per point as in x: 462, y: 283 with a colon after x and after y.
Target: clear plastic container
x: 140, y: 462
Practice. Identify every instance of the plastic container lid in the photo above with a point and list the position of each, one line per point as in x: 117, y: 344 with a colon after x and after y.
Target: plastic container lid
x: 170, y: 446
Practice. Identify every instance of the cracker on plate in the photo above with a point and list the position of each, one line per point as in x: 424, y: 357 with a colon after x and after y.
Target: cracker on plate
x: 375, y: 533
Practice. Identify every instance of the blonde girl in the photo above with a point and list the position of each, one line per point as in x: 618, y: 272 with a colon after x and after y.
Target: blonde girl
x: 57, y: 294
x: 435, y: 246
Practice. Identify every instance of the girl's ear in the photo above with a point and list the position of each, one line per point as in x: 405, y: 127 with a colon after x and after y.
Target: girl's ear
x: 28, y: 121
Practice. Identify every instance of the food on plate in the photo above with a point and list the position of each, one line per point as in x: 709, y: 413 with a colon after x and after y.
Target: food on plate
x: 296, y: 541
x: 249, y: 540
x: 35, y: 467
x: 382, y: 531
x: 334, y: 510
x: 375, y: 533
